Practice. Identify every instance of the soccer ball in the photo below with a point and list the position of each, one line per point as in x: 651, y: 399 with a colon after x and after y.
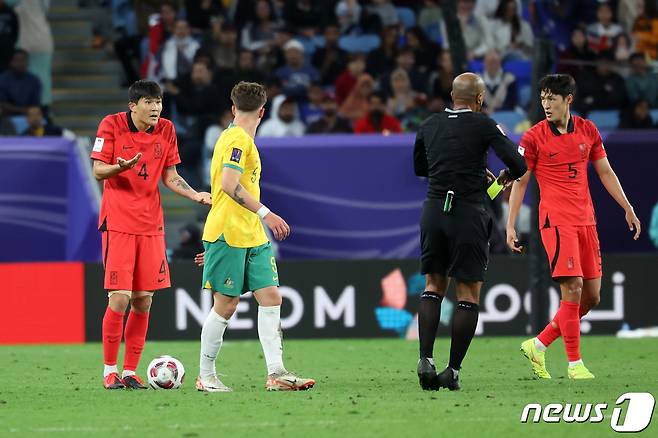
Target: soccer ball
x: 165, y: 372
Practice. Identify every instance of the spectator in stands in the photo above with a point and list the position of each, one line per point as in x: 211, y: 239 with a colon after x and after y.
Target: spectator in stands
x: 623, y: 48
x: 200, y: 14
x: 19, y: 89
x: 488, y: 8
x: 37, y: 126
x: 196, y: 94
x: 406, y: 60
x: 222, y: 44
x: 296, y: 76
x: 190, y: 243
x: 301, y: 14
x: 627, y: 13
x: 355, y: 105
x: 348, y: 13
x: 575, y: 59
x: 377, y: 120
x: 475, y: 30
x: 645, y: 30
x: 161, y: 27
x: 601, y: 89
x: 642, y: 83
x: 258, y: 33
x: 284, y: 119
x: 403, y: 97
x: 602, y: 33
x: 35, y: 37
x: 247, y: 70
x: 311, y: 110
x: 8, y: 34
x: 178, y: 52
x: 330, y: 60
x: 348, y: 78
x: 440, y: 81
x: 512, y: 35
x: 329, y: 122
x: 637, y: 116
x: 430, y: 18
x: 382, y: 59
x: 501, y: 85
x: 424, y: 50
x: 385, y: 10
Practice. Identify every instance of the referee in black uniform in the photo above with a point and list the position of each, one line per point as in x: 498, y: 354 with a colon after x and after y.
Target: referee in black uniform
x: 451, y: 151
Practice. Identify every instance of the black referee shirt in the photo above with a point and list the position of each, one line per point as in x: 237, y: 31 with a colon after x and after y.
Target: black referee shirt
x: 451, y: 150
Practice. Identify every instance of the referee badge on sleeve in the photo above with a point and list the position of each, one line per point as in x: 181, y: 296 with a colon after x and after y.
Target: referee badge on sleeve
x: 521, y: 150
x: 236, y: 154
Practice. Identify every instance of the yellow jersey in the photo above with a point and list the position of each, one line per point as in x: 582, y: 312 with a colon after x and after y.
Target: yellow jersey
x: 240, y: 227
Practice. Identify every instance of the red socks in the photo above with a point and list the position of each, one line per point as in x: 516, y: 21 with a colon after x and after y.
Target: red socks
x: 112, y: 328
x: 569, y: 322
x: 550, y: 333
x: 135, y: 335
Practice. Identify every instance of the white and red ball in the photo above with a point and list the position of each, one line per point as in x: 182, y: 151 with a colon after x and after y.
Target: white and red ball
x: 165, y: 372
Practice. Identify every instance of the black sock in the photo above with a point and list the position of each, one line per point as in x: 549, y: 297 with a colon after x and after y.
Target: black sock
x: 429, y: 313
x: 464, y: 322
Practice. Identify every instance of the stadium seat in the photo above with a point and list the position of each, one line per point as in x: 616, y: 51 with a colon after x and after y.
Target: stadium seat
x: 508, y: 119
x: 605, y: 120
x: 433, y: 32
x: 20, y: 124
x: 406, y: 16
x: 359, y: 43
x: 521, y: 69
x: 654, y: 115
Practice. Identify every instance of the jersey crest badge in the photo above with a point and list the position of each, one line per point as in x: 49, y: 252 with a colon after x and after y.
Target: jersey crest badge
x: 158, y: 151
x: 583, y: 150
x: 236, y: 154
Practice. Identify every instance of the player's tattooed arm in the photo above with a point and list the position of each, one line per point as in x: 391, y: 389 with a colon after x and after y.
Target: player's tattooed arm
x: 236, y: 194
x: 178, y: 185
x: 236, y: 191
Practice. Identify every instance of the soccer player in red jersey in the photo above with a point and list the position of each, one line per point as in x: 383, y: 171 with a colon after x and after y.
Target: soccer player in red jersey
x: 133, y: 151
x: 558, y: 150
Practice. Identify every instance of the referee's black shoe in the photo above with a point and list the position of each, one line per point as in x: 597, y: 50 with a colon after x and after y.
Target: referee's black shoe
x: 427, y: 375
x: 448, y: 379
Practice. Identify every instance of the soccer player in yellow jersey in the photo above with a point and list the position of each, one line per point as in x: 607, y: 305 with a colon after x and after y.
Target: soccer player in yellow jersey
x: 238, y: 255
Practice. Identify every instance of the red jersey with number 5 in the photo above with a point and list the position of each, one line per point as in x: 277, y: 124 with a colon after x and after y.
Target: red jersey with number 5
x: 131, y: 199
x: 559, y: 162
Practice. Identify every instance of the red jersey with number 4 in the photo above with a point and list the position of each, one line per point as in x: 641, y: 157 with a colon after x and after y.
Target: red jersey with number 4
x: 131, y: 199
x: 559, y: 162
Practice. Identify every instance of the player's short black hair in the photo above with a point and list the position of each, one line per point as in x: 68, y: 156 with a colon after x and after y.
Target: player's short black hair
x: 558, y: 84
x: 144, y: 89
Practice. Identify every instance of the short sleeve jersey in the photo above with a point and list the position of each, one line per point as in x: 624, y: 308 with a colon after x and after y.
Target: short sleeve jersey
x: 240, y: 227
x: 131, y: 199
x: 559, y: 162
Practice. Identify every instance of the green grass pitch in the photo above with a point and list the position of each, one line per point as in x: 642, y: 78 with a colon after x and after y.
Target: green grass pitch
x: 364, y: 388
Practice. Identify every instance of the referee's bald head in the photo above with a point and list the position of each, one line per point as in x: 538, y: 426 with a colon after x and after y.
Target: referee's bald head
x: 468, y: 89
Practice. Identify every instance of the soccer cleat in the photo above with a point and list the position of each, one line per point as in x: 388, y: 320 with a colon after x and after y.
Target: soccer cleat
x: 447, y: 379
x: 536, y: 358
x: 287, y: 381
x: 134, y: 382
x: 427, y: 376
x: 211, y: 384
x: 578, y: 372
x: 112, y: 381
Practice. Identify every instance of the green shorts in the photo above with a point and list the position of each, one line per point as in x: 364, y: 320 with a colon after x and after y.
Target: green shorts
x: 233, y: 271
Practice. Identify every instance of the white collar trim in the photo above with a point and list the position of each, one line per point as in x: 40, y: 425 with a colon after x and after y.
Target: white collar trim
x: 463, y: 110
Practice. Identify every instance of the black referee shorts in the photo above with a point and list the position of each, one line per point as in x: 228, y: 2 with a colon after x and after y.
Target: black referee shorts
x: 455, y: 244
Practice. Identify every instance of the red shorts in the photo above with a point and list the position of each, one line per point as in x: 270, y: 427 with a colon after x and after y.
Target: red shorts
x: 573, y: 251
x: 134, y: 262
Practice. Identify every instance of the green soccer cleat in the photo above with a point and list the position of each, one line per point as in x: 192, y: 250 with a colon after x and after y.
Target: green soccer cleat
x: 578, y: 372
x: 536, y: 358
